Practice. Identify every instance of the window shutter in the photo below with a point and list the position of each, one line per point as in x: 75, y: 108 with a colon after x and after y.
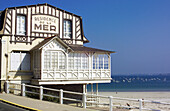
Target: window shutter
x: 25, y: 61
x: 15, y: 61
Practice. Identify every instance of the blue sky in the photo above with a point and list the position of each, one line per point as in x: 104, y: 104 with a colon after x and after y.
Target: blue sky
x: 138, y: 30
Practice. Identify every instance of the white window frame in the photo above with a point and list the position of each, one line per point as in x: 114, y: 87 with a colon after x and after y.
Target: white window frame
x: 78, y: 61
x: 100, y: 61
x: 59, y: 57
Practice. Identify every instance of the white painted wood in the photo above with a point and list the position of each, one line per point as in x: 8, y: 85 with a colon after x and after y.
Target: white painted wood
x: 28, y: 23
x: 84, y: 100
x: 23, y: 89
x: 61, y: 96
x: 41, y: 93
x: 110, y: 103
x: 42, y: 63
x: 7, y: 87
x: 61, y: 24
x: 48, y: 82
x: 140, y: 104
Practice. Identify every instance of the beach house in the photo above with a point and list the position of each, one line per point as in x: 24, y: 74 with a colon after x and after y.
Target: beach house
x: 44, y: 45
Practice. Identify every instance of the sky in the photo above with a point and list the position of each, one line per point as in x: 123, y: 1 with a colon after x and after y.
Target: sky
x: 138, y: 30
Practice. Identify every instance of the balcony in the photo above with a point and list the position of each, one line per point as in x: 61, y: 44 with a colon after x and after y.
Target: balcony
x: 61, y: 64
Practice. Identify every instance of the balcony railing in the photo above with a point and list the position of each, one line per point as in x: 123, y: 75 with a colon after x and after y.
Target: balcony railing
x: 71, y: 74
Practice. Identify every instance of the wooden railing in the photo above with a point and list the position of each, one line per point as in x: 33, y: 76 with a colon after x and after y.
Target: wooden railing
x: 84, y: 97
x: 76, y: 74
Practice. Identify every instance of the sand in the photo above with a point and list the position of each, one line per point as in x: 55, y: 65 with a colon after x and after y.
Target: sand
x: 153, y: 96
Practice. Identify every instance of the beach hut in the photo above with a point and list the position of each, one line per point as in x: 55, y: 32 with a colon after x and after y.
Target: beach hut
x: 44, y: 45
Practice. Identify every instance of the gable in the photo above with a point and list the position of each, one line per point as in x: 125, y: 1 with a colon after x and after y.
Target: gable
x: 54, y: 45
x: 42, y: 20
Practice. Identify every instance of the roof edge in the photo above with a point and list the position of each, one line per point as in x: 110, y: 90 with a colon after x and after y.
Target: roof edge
x: 46, y: 4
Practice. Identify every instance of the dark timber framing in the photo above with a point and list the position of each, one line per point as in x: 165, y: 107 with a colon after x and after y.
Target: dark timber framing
x: 40, y: 9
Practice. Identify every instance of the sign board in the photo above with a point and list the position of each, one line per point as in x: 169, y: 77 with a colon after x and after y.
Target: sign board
x: 45, y: 24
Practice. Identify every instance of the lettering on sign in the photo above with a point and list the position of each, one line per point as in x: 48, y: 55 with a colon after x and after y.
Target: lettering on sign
x: 45, y: 23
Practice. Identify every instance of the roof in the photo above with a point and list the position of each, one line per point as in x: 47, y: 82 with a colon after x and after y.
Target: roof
x: 78, y: 48
x: 47, y: 40
x: 46, y: 4
x: 88, y: 49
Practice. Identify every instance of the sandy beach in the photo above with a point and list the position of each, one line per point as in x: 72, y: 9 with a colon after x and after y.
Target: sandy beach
x: 153, y: 96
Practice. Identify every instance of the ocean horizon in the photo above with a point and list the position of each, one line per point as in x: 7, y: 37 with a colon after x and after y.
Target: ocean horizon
x: 135, y: 83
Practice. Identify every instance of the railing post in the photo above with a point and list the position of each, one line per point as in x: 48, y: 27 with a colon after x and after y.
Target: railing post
x: 7, y: 87
x: 23, y: 89
x: 84, y: 100
x: 41, y: 92
x: 61, y: 96
x: 140, y: 104
x: 110, y: 103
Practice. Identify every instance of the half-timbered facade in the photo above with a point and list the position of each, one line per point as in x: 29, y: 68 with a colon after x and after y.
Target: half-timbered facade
x: 43, y: 45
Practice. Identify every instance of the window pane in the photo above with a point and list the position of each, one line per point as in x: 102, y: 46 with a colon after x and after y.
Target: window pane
x: 71, y: 61
x: 21, y: 25
x: 106, y: 62
x: 67, y: 29
x: 54, y: 59
x: 62, y: 60
x: 84, y: 61
x: 47, y: 60
x: 100, y: 61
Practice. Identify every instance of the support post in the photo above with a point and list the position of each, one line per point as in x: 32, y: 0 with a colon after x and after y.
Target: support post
x: 7, y: 87
x: 97, y: 89
x: 84, y: 88
x: 84, y: 100
x: 23, y: 89
x: 41, y: 92
x: 97, y: 99
x: 91, y: 88
x: 140, y: 104
x: 61, y: 96
x: 110, y: 103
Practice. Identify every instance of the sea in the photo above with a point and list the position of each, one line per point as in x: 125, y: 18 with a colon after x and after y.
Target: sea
x: 135, y: 83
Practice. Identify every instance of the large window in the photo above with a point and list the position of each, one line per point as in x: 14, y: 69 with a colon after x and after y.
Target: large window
x: 20, y: 61
x: 100, y: 61
x: 21, y: 25
x: 67, y: 29
x: 77, y: 61
x: 54, y: 60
